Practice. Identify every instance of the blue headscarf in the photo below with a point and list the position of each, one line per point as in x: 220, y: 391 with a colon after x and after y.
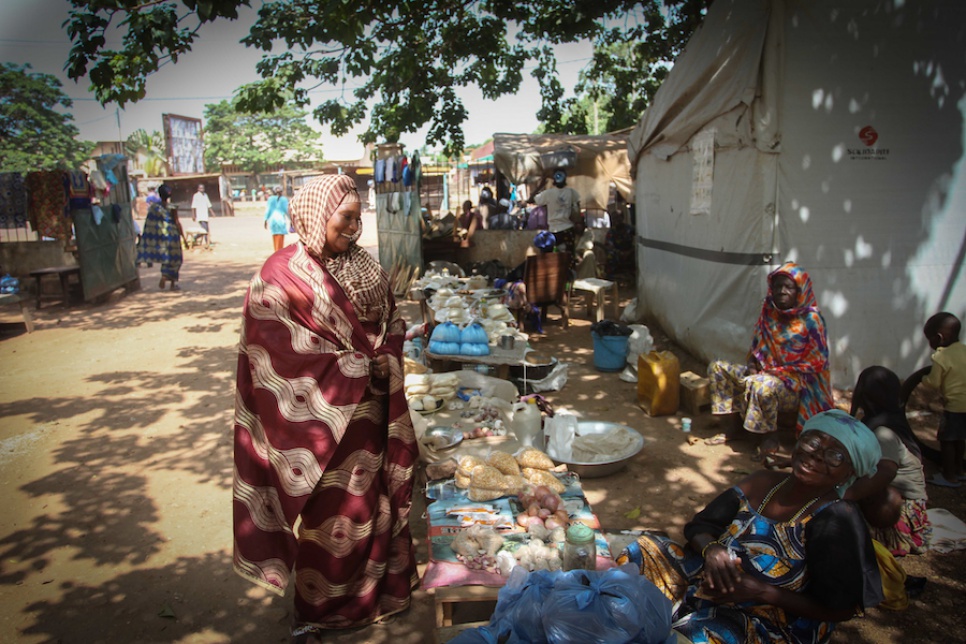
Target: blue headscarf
x: 857, y: 439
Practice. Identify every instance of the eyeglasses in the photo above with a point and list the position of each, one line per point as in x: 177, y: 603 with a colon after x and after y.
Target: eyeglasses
x: 832, y: 456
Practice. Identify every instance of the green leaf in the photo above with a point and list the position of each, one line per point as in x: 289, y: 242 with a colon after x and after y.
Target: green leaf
x: 633, y: 514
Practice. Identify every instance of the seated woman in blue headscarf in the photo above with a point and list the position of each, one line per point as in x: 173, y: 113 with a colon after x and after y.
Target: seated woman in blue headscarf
x: 779, y: 556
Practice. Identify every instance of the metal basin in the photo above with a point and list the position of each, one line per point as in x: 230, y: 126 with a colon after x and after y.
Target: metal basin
x: 603, y: 468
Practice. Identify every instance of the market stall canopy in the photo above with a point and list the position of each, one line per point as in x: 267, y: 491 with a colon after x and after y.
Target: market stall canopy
x: 592, y: 162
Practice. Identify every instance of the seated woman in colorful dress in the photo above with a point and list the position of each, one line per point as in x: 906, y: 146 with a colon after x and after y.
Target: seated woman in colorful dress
x: 778, y: 557
x: 787, y: 367
x: 894, y: 499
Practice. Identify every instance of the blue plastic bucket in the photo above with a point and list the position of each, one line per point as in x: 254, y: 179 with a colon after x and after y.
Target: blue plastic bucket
x: 610, y: 351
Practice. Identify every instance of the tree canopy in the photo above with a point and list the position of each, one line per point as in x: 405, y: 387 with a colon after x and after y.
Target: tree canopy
x: 399, y: 63
x: 258, y: 142
x: 34, y: 135
x: 150, y: 150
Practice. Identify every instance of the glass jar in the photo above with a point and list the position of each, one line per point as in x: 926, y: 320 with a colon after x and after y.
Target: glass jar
x: 580, y: 548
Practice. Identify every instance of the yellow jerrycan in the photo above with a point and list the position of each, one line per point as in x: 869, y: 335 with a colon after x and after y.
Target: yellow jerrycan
x: 658, y: 383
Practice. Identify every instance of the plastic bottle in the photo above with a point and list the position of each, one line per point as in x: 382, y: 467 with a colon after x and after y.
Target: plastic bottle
x: 580, y: 548
x: 658, y: 383
x: 527, y: 424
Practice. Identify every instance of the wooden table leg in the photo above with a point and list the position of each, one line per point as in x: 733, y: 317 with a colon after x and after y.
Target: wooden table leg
x: 28, y: 320
x: 65, y: 287
x: 37, y: 277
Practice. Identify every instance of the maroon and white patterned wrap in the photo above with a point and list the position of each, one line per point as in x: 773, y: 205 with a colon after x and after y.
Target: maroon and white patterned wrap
x: 317, y: 437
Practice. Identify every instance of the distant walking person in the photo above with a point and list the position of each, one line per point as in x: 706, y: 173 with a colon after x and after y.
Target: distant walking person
x: 277, y: 219
x: 227, y: 204
x: 161, y: 238
x: 201, y: 209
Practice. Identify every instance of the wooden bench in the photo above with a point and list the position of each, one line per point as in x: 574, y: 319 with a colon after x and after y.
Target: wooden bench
x: 64, y: 273
x: 21, y: 299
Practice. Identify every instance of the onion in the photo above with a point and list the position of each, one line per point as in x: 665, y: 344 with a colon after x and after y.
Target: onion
x: 551, y: 502
x: 535, y: 521
x: 544, y: 513
x: 541, y: 491
x: 562, y: 516
x: 533, y: 509
x: 552, y: 522
x: 523, y: 519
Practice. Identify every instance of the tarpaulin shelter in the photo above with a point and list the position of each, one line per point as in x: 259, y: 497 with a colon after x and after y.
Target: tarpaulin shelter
x: 592, y: 163
x: 827, y: 132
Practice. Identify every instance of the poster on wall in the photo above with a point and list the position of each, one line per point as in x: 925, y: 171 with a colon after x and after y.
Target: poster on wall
x: 702, y: 172
x: 185, y: 149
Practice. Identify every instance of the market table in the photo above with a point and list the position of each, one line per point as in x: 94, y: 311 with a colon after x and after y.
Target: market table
x: 64, y: 273
x: 449, y: 511
x: 499, y: 359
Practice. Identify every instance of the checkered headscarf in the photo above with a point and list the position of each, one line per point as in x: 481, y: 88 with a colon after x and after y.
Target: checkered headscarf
x: 360, y: 276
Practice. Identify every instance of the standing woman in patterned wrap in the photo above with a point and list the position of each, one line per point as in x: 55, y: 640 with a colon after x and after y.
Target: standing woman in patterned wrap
x: 161, y: 238
x: 322, y: 430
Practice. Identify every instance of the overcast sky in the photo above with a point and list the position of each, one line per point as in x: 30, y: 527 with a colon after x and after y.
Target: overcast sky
x: 31, y: 32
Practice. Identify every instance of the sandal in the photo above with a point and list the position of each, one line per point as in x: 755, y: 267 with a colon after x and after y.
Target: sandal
x: 717, y: 439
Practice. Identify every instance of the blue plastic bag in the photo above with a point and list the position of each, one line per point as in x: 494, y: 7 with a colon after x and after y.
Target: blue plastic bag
x: 519, y: 605
x: 479, y: 635
x: 9, y: 284
x: 616, y: 606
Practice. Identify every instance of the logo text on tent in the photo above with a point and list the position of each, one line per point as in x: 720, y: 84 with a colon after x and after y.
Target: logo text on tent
x: 868, y: 136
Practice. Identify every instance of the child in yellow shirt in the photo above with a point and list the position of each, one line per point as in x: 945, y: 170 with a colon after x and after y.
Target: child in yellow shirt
x: 947, y: 374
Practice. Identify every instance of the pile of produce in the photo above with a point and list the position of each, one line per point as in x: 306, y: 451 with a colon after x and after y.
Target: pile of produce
x: 503, y: 474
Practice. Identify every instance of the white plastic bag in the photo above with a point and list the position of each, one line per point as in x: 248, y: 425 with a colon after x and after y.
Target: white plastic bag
x: 630, y: 312
x: 554, y: 381
x: 561, y: 429
x: 639, y: 342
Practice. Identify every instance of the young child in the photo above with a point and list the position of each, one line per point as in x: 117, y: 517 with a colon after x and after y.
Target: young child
x: 947, y: 374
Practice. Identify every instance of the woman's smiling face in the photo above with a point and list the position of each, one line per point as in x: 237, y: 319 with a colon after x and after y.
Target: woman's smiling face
x: 819, y: 459
x: 343, y: 228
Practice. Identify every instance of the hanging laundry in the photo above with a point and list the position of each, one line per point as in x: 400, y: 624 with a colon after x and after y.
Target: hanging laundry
x: 47, y: 203
x: 379, y: 171
x: 13, y: 200
x: 98, y: 215
x: 417, y: 167
x: 391, y: 169
x: 79, y: 190
x: 99, y: 181
x: 407, y: 173
x: 107, y: 163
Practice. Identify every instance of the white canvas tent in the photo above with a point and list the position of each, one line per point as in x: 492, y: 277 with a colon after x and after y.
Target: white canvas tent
x: 826, y: 132
x: 592, y: 162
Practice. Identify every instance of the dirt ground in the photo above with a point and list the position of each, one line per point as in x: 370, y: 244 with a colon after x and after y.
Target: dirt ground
x: 115, y: 470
